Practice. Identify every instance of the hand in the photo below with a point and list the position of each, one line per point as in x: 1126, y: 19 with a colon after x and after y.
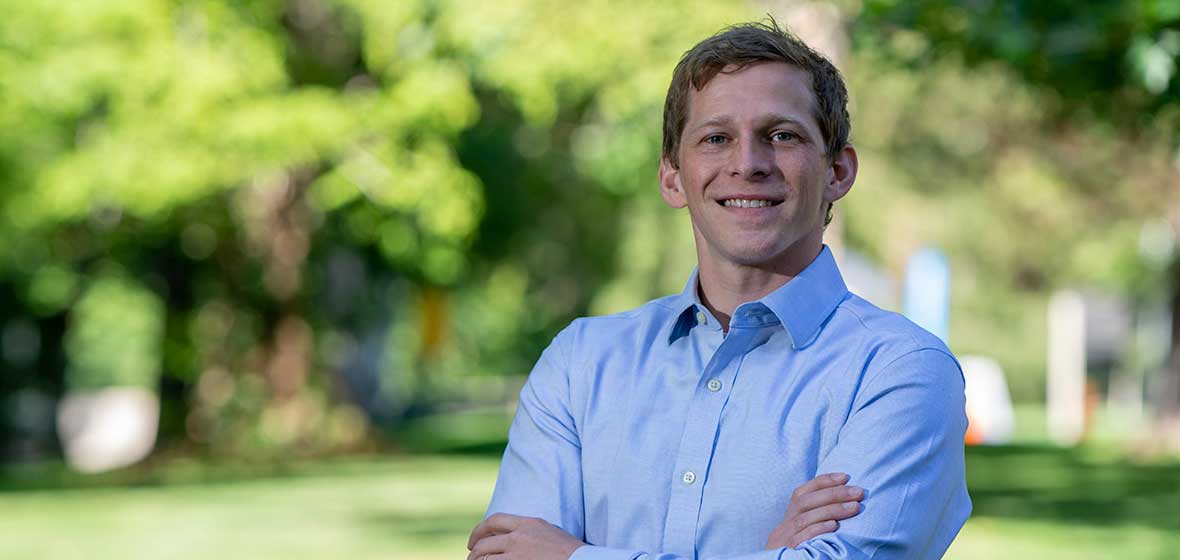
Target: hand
x: 815, y: 508
x: 512, y: 537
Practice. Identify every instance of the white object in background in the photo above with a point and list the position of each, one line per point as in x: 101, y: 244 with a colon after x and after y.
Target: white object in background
x: 989, y: 405
x: 108, y: 428
x: 1066, y: 380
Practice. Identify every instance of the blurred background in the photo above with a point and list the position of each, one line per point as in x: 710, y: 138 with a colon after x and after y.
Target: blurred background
x: 272, y: 272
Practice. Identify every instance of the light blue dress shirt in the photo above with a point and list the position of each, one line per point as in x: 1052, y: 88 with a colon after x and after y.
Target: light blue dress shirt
x: 653, y: 435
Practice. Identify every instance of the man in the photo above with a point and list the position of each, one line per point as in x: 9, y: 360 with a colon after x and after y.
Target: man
x: 682, y: 429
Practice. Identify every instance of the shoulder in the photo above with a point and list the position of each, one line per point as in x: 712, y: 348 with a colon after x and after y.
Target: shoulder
x: 586, y: 336
x: 891, y: 342
x: 885, y: 332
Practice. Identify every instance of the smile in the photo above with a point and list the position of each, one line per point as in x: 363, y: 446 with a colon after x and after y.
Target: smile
x: 748, y: 203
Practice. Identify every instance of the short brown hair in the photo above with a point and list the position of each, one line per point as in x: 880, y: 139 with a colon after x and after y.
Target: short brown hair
x: 740, y: 46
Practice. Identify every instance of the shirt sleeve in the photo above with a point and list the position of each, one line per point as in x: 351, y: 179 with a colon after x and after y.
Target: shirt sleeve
x: 541, y: 474
x: 903, y: 443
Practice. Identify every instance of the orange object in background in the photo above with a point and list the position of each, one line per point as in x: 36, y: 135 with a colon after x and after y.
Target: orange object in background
x: 974, y: 434
x: 990, y: 418
x: 1093, y: 401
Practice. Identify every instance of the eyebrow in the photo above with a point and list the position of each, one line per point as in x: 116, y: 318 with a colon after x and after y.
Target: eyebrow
x: 722, y: 120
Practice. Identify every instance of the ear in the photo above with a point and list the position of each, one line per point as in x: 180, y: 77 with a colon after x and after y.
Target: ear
x: 842, y: 174
x: 670, y: 187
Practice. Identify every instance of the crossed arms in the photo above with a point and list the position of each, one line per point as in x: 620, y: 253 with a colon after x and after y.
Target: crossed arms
x: 902, y: 442
x: 815, y: 509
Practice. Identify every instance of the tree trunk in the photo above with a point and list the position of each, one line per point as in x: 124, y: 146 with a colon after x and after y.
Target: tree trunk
x: 279, y: 227
x: 1168, y: 399
x: 1165, y: 434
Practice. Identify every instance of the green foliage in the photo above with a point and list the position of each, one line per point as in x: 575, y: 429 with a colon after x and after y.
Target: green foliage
x: 115, y: 336
x: 1114, y: 59
x: 145, y: 107
x: 431, y: 189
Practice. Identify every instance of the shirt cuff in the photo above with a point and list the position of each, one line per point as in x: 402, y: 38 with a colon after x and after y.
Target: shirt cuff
x: 591, y: 552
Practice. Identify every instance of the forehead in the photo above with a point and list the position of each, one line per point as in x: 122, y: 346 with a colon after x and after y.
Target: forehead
x: 768, y: 88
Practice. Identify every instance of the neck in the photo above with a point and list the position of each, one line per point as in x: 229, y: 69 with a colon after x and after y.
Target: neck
x: 724, y: 285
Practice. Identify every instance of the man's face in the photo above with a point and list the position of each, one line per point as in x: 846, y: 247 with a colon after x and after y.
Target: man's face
x: 753, y: 170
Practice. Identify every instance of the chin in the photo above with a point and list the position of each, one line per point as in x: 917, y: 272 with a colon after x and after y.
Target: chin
x: 759, y: 250
x: 755, y: 255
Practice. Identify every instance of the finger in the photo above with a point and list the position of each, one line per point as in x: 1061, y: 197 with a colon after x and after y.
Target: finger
x: 495, y: 524
x: 487, y: 546
x: 820, y: 482
x: 471, y: 540
x: 505, y: 522
x: 826, y: 496
x: 814, y: 530
x: 834, y: 512
x: 480, y: 531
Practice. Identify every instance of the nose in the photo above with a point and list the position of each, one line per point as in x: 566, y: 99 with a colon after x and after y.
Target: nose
x: 753, y: 159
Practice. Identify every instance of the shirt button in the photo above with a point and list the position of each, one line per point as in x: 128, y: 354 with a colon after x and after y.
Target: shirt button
x: 701, y: 318
x: 689, y: 477
x: 714, y: 385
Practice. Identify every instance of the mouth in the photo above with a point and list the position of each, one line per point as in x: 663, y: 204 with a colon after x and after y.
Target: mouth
x: 749, y: 202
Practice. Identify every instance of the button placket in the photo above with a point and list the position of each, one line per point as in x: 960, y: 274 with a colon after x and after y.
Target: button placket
x: 698, y: 439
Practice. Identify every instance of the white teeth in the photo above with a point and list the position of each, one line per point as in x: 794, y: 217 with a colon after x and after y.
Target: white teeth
x: 746, y: 203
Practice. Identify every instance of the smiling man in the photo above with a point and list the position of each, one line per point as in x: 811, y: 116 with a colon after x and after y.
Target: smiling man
x: 698, y: 426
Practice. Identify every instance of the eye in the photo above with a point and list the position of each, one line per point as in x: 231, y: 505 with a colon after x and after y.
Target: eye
x: 783, y: 136
x: 714, y: 139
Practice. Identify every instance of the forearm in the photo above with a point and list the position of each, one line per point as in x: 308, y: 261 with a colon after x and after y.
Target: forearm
x: 590, y: 552
x: 828, y: 547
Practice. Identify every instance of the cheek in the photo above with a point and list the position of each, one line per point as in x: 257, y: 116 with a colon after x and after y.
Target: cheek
x: 810, y: 182
x: 694, y: 184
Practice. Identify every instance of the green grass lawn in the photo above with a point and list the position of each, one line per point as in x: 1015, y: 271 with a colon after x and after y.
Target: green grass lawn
x: 1037, y: 501
x: 397, y: 508
x: 1031, y: 502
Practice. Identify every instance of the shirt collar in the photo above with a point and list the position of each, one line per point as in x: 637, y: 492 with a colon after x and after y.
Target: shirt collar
x: 685, y: 307
x: 802, y: 305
